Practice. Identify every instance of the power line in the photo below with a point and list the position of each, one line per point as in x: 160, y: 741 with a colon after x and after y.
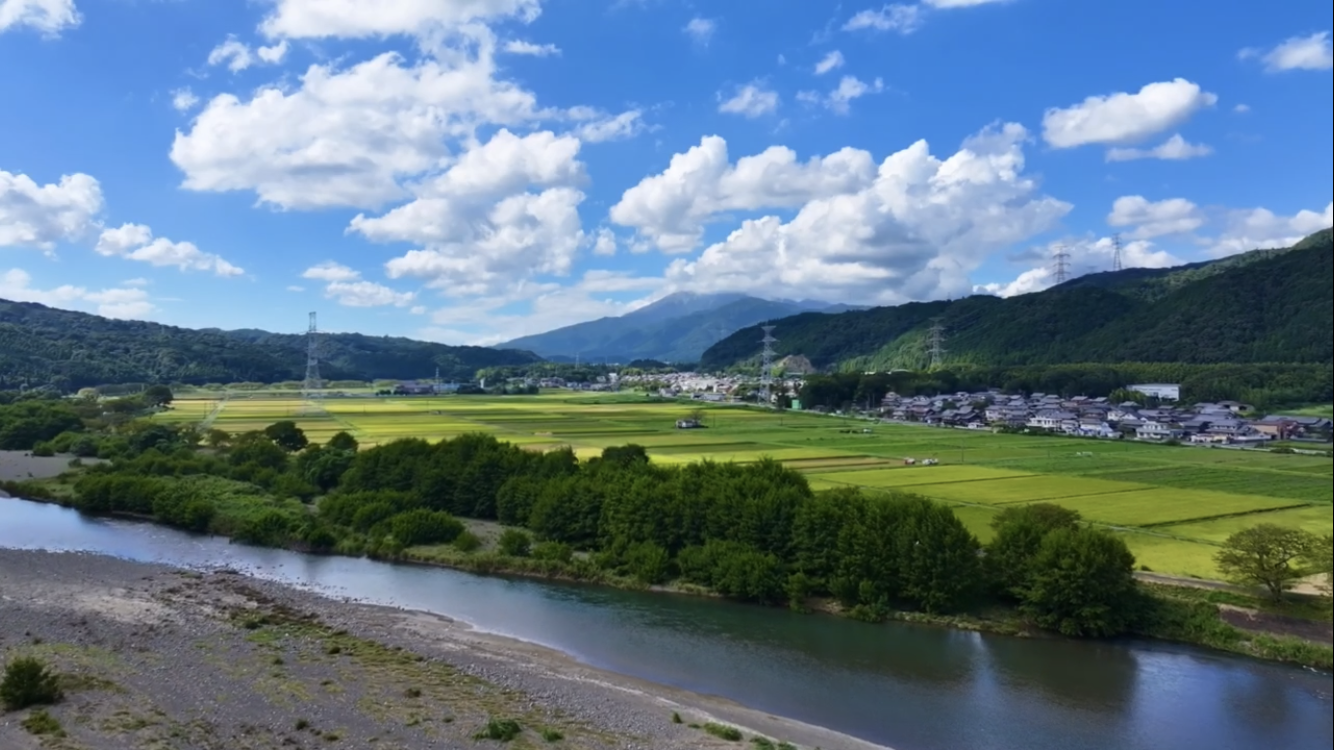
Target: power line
x: 767, y: 365
x: 1116, y: 253
x: 936, y: 342
x: 1062, y: 267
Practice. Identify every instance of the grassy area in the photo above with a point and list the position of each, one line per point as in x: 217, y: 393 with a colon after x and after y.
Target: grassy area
x: 1172, y: 504
x: 1314, y: 410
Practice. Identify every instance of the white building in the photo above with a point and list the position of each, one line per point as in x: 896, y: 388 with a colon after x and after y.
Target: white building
x: 1163, y: 391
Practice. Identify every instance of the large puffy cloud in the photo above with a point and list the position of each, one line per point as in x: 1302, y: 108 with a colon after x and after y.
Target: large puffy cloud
x: 479, y: 225
x: 1312, y: 52
x: 913, y: 231
x: 136, y: 242
x: 360, y: 18
x: 116, y: 302
x: 1151, y: 219
x: 1123, y: 118
x: 1251, y: 229
x: 345, y: 286
x: 348, y: 137
x: 670, y: 209
x: 1083, y: 256
x: 46, y: 16
x: 41, y: 216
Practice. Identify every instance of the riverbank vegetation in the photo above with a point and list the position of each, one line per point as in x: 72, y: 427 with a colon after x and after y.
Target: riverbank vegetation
x: 750, y: 532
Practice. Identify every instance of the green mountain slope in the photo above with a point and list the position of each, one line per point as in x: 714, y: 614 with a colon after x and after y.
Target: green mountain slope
x: 1263, y: 306
x: 41, y: 345
x: 677, y: 328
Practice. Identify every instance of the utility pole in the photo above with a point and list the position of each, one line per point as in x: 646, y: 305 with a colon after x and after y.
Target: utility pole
x: 312, y: 387
x: 936, y: 342
x: 1062, y: 266
x: 767, y: 365
x: 1116, y: 253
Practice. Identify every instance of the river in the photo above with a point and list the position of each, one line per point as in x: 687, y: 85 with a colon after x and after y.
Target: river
x: 908, y: 687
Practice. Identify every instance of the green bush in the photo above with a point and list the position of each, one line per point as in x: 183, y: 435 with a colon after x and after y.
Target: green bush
x: 502, y: 730
x: 723, y: 732
x: 515, y: 543
x: 43, y: 450
x: 555, y: 551
x: 41, y: 723
x: 467, y: 542
x: 28, y: 682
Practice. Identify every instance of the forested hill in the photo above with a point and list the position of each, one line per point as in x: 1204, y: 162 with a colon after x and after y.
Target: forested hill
x: 1262, y: 306
x: 40, y: 345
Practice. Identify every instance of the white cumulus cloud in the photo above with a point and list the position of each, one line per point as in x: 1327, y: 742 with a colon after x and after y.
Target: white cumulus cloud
x: 480, y: 226
x: 1313, y: 52
x: 670, y: 209
x: 238, y: 56
x: 839, y: 100
x: 345, y: 286
x: 1256, y: 228
x: 1124, y: 119
x: 358, y: 19
x: 832, y: 61
x: 136, y: 242
x: 700, y: 30
x: 1148, y: 219
x: 520, y: 47
x: 183, y: 99
x: 49, y: 17
x: 912, y: 229
x: 899, y: 17
x: 116, y: 302
x: 41, y: 216
x: 1175, y: 148
x: 751, y: 100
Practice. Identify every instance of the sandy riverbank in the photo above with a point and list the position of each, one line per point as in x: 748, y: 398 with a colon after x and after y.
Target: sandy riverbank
x: 17, y: 466
x: 153, y: 654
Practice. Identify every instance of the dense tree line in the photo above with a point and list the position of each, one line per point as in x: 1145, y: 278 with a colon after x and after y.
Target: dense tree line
x: 752, y: 532
x: 1263, y: 307
x: 1263, y: 386
x: 68, y: 350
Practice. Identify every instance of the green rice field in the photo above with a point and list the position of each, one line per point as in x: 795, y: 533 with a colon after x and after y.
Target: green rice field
x: 1173, y: 505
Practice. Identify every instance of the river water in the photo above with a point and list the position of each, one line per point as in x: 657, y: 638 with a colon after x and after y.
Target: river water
x: 908, y: 687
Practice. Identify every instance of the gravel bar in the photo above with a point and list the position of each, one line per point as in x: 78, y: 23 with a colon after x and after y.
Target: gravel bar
x: 155, y: 657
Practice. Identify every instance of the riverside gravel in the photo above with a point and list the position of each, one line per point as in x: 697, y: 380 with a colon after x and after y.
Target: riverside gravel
x: 160, y: 658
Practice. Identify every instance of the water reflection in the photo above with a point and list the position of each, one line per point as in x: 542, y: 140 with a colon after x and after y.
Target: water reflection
x: 1097, y: 677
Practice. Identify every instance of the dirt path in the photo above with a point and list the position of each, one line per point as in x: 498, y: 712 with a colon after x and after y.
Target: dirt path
x: 154, y: 657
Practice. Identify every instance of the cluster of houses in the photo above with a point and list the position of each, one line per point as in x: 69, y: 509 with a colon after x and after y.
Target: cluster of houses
x: 1223, y: 423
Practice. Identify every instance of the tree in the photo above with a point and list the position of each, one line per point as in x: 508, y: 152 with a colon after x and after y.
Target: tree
x: 515, y: 543
x: 1321, y: 560
x: 1081, y: 582
x: 1019, y: 534
x: 287, y: 436
x: 157, y: 395
x: 1266, y: 555
x: 342, y: 441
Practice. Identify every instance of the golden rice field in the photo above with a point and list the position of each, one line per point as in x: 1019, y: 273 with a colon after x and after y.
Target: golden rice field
x: 1173, y: 505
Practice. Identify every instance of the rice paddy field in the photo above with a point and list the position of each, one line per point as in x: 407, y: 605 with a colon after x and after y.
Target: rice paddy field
x: 1173, y: 505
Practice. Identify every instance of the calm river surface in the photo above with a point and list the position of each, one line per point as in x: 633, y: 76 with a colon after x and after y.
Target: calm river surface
x: 912, y: 688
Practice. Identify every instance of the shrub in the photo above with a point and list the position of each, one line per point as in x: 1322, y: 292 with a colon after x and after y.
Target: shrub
x: 40, y: 723
x: 723, y: 732
x: 467, y: 542
x: 551, y: 735
x: 515, y: 543
x: 43, y: 450
x: 557, y: 551
x: 27, y: 682
x: 502, y: 730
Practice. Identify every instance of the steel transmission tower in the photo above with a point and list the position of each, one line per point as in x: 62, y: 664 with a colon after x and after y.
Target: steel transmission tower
x: 936, y: 342
x: 1116, y: 252
x: 1062, y: 265
x: 312, y: 390
x: 767, y: 365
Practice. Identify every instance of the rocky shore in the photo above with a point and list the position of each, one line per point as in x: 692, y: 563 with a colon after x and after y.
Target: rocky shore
x: 153, y: 656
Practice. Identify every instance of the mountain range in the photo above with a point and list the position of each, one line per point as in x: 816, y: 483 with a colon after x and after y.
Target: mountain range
x: 1263, y: 306
x: 676, y: 328
x: 41, y: 345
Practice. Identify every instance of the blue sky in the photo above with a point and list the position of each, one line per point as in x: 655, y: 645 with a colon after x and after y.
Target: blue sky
x: 469, y: 171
